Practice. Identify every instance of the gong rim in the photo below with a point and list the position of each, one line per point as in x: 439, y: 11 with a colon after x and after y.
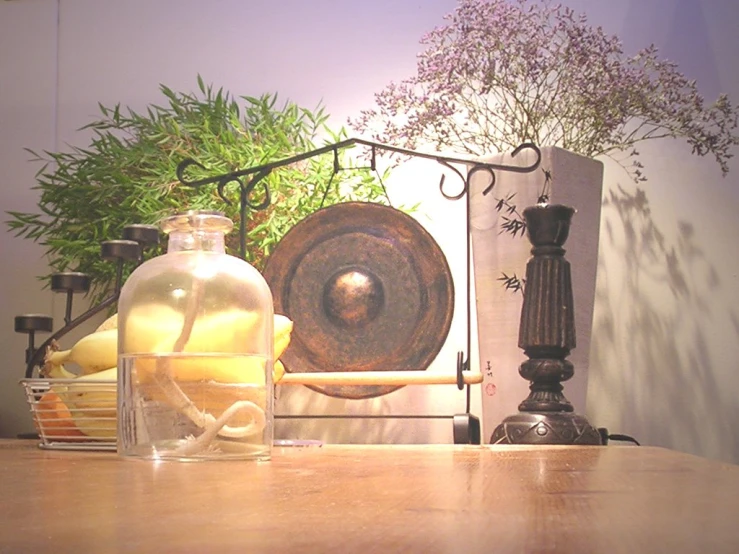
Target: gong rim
x: 368, y: 289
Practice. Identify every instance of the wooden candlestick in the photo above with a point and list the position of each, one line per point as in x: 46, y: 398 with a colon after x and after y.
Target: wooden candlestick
x: 547, y: 335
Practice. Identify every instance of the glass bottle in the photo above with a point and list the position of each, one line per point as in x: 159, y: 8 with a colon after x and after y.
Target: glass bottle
x: 195, y: 345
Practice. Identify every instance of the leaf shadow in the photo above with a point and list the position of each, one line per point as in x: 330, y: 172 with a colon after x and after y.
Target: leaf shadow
x: 653, y: 375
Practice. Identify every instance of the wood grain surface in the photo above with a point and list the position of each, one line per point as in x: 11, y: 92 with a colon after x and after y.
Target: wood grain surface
x: 364, y: 499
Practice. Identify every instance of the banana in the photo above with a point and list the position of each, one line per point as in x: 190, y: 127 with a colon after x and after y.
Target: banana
x: 153, y: 329
x: 92, y: 403
x: 278, y: 371
x: 147, y: 324
x: 92, y: 353
x: 110, y: 323
x: 283, y: 332
x: 51, y: 370
x: 231, y: 332
x: 58, y: 372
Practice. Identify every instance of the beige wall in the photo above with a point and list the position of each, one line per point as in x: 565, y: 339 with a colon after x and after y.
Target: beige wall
x: 27, y: 118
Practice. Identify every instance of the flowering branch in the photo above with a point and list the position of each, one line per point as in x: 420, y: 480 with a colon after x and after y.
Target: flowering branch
x: 504, y: 72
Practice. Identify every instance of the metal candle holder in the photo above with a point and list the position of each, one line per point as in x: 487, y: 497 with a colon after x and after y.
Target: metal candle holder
x: 547, y: 335
x: 130, y: 249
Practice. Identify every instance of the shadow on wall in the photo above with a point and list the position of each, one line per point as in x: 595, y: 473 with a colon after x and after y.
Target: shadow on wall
x: 655, y: 376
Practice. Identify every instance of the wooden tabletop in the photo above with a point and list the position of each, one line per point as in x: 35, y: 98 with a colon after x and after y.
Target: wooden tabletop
x: 364, y: 499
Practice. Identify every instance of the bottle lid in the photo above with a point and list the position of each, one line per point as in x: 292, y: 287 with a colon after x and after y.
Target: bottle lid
x: 197, y: 220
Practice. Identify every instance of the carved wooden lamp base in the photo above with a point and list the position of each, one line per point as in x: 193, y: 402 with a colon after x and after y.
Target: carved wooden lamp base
x: 546, y: 335
x: 546, y: 428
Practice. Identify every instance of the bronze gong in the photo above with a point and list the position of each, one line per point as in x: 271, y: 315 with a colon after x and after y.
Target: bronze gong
x: 368, y: 289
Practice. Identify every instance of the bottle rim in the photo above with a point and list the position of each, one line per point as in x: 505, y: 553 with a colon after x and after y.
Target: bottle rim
x: 196, y: 220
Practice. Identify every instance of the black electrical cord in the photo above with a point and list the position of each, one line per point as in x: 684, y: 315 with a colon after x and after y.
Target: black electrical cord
x: 605, y: 436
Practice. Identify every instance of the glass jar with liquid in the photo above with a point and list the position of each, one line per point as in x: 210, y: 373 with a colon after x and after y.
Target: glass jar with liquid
x: 195, y: 345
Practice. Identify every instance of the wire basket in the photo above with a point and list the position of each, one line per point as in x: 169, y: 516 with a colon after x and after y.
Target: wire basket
x: 71, y: 414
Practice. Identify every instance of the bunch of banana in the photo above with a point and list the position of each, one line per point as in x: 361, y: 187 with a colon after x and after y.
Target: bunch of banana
x: 154, y: 330
x: 92, y: 402
x: 93, y: 353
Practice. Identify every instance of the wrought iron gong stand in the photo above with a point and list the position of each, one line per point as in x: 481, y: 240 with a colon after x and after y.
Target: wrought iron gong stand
x: 138, y: 237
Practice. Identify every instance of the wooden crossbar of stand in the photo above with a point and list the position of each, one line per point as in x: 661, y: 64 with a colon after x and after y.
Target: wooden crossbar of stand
x: 360, y: 378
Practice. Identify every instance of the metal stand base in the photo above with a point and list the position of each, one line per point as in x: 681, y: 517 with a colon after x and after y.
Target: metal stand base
x: 466, y: 429
x: 546, y: 428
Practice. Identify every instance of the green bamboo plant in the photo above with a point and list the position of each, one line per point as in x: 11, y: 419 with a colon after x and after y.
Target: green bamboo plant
x: 127, y: 174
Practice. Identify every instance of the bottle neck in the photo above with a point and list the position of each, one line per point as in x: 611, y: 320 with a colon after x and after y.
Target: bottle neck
x: 200, y: 240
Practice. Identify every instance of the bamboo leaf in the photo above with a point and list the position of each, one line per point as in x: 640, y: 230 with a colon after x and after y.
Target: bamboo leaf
x: 127, y: 174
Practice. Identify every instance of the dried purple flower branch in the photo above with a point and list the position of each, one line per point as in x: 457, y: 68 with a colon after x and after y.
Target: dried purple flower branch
x: 503, y: 72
